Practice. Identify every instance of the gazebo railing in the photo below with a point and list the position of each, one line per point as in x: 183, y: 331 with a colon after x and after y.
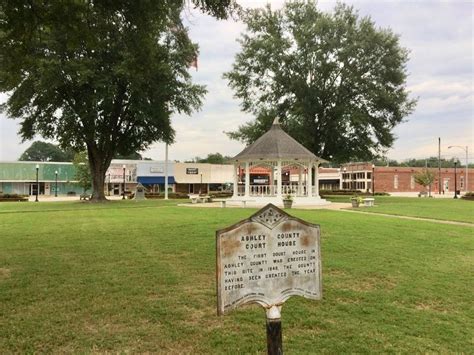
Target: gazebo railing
x: 262, y: 190
x: 271, y: 190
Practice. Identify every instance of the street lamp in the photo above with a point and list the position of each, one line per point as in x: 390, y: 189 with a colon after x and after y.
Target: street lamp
x: 37, y: 182
x: 56, y: 185
x: 200, y: 185
x: 344, y: 178
x: 466, y: 185
x: 123, y: 191
x: 373, y: 179
x: 455, y: 182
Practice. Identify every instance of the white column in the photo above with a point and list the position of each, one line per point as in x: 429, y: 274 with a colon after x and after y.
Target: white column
x: 271, y: 182
x: 300, y: 181
x: 279, y: 178
x: 310, y: 180
x: 236, y: 181
x: 247, y: 179
x: 316, y: 180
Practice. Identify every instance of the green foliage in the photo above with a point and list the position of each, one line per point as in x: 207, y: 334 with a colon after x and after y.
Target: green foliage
x: 101, y: 76
x: 335, y: 80
x: 431, y: 162
x: 43, y: 151
x: 131, y: 156
x: 82, y: 171
x: 425, y: 178
x: 216, y: 158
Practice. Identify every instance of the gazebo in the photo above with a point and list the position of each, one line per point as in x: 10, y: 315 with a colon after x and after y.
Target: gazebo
x: 289, y: 166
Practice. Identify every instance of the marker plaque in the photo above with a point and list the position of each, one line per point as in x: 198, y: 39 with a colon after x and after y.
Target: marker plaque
x: 266, y: 259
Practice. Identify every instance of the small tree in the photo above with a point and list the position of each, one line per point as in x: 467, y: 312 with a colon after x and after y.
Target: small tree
x: 83, y: 173
x: 425, y: 178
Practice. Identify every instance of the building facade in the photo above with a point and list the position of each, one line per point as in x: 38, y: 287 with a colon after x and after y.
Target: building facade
x: 361, y: 176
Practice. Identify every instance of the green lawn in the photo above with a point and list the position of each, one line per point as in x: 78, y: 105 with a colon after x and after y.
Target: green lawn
x: 85, y: 278
x: 435, y: 208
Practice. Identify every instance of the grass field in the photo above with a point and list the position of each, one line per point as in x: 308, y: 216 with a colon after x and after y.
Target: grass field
x: 140, y: 277
x: 441, y: 208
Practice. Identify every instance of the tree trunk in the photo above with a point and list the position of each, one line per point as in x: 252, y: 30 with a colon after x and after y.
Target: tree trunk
x: 98, y: 164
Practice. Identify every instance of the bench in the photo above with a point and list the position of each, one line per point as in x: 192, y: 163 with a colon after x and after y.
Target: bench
x: 223, y: 202
x: 369, y: 201
x: 199, y: 198
x: 422, y: 194
x: 85, y: 197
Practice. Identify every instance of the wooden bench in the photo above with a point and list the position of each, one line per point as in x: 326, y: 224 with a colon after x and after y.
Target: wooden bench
x: 423, y: 194
x: 369, y: 201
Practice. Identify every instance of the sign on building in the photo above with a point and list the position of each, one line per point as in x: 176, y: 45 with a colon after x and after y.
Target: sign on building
x: 156, y: 169
x: 192, y: 171
x: 266, y: 259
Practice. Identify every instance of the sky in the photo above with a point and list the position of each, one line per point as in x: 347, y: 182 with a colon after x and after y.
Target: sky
x: 439, y: 35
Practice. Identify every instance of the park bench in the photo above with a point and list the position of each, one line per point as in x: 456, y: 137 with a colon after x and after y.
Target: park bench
x: 369, y: 201
x: 423, y: 194
x: 85, y: 197
x: 199, y: 198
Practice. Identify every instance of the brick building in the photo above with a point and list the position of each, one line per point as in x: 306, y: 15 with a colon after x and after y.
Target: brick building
x: 358, y: 176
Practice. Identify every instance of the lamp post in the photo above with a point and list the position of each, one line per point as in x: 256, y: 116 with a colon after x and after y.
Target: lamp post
x: 373, y: 179
x: 37, y: 182
x: 123, y: 191
x: 56, y: 184
x: 344, y: 186
x: 466, y: 185
x: 200, y: 185
x: 455, y: 182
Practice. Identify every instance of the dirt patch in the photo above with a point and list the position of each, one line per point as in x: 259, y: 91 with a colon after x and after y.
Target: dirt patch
x: 431, y: 306
x: 4, y: 273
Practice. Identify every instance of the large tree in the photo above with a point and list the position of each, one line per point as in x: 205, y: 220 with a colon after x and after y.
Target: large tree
x: 104, y: 76
x: 335, y: 80
x: 44, y: 151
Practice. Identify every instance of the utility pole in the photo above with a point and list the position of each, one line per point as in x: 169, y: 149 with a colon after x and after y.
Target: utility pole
x: 439, y: 165
x: 166, y: 171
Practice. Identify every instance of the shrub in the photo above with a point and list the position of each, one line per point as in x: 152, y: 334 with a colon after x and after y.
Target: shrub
x: 13, y: 198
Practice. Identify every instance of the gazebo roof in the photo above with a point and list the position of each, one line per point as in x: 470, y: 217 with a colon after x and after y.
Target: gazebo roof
x: 276, y: 144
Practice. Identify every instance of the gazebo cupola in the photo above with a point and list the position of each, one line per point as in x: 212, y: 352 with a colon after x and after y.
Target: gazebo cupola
x: 280, y: 156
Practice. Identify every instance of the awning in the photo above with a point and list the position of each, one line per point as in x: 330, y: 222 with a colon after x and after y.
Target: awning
x: 150, y: 180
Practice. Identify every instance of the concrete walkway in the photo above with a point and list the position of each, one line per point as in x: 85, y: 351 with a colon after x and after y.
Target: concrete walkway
x: 466, y: 224
x: 330, y: 206
x: 46, y: 198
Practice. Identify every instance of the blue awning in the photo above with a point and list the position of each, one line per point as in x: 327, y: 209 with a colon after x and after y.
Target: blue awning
x: 150, y: 180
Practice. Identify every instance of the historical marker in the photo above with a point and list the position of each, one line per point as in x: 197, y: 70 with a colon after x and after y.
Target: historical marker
x: 266, y: 259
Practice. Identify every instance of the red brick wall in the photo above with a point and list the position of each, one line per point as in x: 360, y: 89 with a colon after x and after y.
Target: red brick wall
x: 384, y: 179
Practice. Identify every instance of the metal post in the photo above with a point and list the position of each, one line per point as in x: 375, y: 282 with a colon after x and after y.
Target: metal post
x: 274, y: 333
x: 467, y: 171
x: 439, y: 165
x: 166, y: 171
x: 56, y: 187
x: 455, y: 182
x: 200, y: 185
x: 123, y: 191
x: 373, y: 179
x: 37, y: 183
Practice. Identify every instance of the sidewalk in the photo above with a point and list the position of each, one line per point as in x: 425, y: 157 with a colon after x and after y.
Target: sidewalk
x: 51, y: 198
